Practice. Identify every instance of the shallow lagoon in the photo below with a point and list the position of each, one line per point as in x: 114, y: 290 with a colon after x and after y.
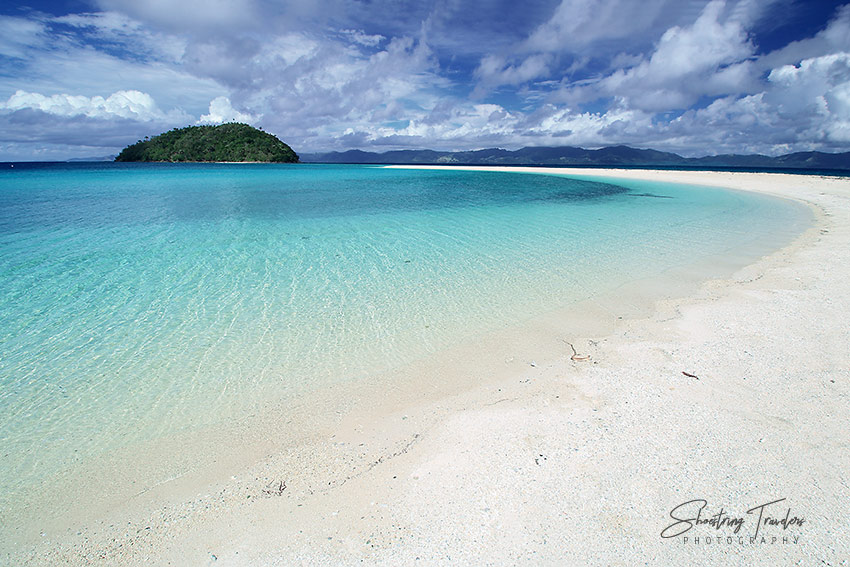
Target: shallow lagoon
x: 139, y: 301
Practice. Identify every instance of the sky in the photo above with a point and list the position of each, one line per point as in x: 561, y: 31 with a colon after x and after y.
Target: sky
x: 84, y: 78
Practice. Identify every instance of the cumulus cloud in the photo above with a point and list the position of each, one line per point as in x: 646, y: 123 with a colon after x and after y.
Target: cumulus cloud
x: 331, y: 87
x: 817, y: 92
x: 463, y: 125
x: 133, y: 105
x: 92, y: 54
x: 711, y: 57
x: 801, y: 107
x: 583, y: 31
x: 222, y: 111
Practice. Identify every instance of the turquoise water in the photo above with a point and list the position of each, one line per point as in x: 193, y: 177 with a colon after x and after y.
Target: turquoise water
x: 142, y: 300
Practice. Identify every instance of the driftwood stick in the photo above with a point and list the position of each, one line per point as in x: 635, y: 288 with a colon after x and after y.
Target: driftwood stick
x: 576, y: 356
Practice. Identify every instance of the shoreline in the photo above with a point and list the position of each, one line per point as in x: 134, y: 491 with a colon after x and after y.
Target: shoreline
x: 549, y: 461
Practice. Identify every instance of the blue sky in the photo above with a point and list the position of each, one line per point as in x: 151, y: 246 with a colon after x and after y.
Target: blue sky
x: 85, y: 78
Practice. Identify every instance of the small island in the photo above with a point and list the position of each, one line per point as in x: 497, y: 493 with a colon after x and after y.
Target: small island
x: 232, y: 142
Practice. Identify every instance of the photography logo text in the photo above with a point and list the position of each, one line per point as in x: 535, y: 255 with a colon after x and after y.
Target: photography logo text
x: 766, y: 524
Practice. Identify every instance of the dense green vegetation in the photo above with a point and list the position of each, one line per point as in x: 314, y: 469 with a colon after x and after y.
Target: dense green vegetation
x: 226, y: 142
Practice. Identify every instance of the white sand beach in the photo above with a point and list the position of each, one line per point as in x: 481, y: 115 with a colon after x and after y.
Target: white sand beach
x: 515, y: 450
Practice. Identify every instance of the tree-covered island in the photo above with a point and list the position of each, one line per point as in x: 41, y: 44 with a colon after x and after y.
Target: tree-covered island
x: 227, y: 142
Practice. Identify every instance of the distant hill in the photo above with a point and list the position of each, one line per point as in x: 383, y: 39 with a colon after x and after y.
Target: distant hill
x: 227, y: 142
x: 622, y: 156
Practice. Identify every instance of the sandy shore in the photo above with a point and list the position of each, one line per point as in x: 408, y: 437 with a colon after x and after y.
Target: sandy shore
x: 737, y: 395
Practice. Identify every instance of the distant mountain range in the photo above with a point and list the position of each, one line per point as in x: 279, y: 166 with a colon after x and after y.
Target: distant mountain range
x: 622, y: 156
x: 94, y: 158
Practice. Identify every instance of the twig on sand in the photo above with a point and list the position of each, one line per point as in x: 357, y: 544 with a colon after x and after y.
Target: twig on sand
x: 273, y: 490
x: 576, y: 356
x: 689, y: 375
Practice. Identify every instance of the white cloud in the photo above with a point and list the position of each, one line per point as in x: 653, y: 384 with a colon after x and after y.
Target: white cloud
x: 711, y: 57
x: 464, y: 125
x: 53, y: 62
x: 222, y: 111
x: 119, y: 29
x: 801, y: 107
x: 832, y: 39
x: 496, y: 71
x: 133, y: 105
x: 362, y: 38
x: 286, y: 50
x: 685, y: 38
x: 805, y: 106
x: 18, y: 35
x: 331, y: 84
x: 704, y: 46
x: 577, y: 23
x: 574, y: 26
x: 816, y: 93
x: 582, y: 128
x: 187, y: 15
